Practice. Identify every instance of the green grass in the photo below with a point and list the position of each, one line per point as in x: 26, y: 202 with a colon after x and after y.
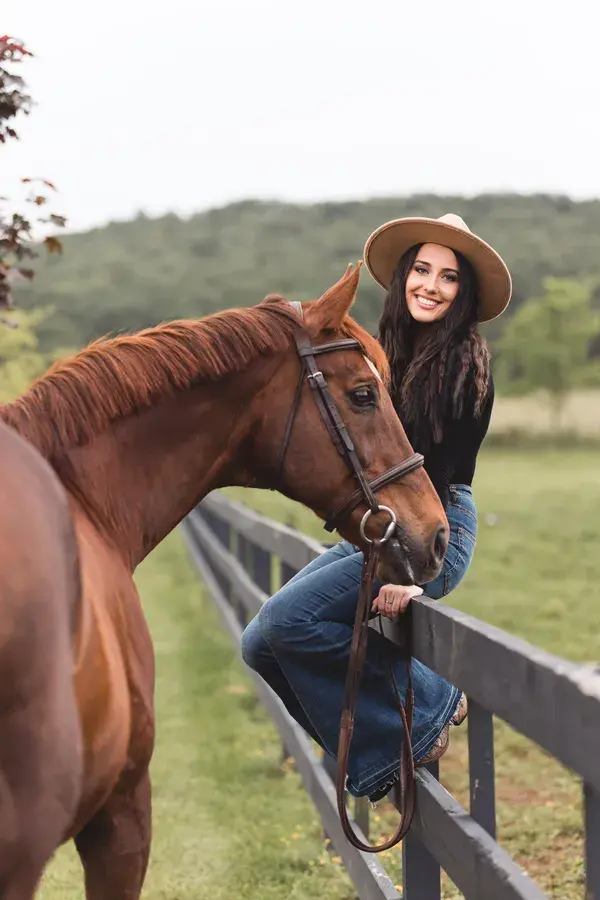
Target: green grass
x: 230, y: 819
x: 536, y: 574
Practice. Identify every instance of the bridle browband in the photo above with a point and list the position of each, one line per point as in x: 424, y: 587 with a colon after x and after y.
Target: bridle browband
x: 365, y: 494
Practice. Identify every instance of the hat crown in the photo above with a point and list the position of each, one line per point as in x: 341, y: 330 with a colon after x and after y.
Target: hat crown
x: 455, y: 221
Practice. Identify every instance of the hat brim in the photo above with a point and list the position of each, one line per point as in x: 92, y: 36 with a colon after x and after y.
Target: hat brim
x: 386, y: 245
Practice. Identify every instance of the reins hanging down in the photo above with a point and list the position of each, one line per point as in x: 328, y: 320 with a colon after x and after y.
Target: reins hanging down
x: 365, y: 494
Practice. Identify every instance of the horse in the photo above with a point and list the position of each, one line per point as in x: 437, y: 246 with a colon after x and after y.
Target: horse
x: 139, y: 428
x: 41, y: 758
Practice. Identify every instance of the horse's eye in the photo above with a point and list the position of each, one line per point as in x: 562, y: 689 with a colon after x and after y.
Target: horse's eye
x: 363, y: 397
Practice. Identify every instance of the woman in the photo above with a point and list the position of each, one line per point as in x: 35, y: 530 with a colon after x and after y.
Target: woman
x: 441, y: 280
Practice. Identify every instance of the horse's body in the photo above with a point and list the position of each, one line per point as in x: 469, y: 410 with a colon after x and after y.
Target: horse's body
x: 139, y: 429
x: 40, y: 737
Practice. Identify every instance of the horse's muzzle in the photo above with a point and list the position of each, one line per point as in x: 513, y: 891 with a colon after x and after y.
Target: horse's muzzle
x: 404, y: 562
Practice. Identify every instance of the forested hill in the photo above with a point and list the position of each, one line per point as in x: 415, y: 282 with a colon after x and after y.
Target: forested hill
x: 132, y: 274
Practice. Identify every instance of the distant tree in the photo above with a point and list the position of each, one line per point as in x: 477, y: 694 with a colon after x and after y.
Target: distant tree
x: 546, y: 344
x: 20, y: 358
x: 16, y: 228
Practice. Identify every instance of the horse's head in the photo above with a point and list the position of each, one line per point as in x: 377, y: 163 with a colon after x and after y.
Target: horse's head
x: 296, y: 443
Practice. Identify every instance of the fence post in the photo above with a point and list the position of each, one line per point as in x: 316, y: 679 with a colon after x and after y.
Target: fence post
x: 361, y: 815
x: 260, y: 563
x: 481, y: 767
x: 591, y: 804
x: 287, y: 572
x: 330, y: 766
x: 222, y: 532
x: 421, y: 874
x: 242, y: 552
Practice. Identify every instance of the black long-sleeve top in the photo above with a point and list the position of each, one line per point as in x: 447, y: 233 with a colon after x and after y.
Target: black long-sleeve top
x: 452, y: 461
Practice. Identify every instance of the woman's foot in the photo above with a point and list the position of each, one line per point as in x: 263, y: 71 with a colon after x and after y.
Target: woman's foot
x: 443, y: 742
x: 438, y: 749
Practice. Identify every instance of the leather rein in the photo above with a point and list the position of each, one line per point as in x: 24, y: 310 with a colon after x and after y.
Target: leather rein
x: 340, y: 436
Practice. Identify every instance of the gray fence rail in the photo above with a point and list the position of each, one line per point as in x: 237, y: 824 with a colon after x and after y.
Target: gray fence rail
x: 243, y: 558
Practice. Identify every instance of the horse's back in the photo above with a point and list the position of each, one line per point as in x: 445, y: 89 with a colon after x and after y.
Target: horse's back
x: 40, y: 745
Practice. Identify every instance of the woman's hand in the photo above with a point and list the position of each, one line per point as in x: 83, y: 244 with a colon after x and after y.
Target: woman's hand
x: 393, y: 599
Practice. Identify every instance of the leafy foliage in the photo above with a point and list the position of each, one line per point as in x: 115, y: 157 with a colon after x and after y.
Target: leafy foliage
x: 13, y: 99
x: 16, y: 229
x: 20, y: 358
x: 546, y: 343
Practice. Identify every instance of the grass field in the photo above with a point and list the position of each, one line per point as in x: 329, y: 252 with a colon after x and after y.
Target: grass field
x: 232, y: 821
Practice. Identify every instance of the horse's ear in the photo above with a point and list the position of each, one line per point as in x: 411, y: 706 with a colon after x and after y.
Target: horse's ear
x: 330, y: 310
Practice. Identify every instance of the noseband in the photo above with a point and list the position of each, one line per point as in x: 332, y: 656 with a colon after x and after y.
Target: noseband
x: 365, y: 494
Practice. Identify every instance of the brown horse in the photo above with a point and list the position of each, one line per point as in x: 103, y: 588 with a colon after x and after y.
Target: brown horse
x: 40, y: 738
x: 140, y: 428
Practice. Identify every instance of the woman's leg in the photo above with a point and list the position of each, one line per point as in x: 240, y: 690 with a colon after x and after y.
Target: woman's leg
x: 300, y: 643
x: 258, y: 655
x: 462, y: 516
x: 308, y: 630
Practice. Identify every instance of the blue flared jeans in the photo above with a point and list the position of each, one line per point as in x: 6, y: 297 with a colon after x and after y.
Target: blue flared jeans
x: 300, y: 643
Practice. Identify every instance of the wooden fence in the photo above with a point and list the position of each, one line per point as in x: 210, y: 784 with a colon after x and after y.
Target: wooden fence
x: 243, y: 557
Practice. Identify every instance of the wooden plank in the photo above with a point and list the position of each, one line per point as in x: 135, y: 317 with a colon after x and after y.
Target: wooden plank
x: 478, y: 866
x: 293, y: 548
x: 518, y: 682
x: 366, y: 872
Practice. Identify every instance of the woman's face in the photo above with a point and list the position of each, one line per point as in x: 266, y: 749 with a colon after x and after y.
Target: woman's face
x: 432, y: 283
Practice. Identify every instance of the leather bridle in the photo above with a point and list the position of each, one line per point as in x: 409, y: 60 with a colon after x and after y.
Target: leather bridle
x: 338, y: 432
x: 340, y: 436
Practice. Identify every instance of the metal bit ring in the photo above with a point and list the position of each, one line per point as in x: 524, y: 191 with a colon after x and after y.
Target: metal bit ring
x: 388, y: 531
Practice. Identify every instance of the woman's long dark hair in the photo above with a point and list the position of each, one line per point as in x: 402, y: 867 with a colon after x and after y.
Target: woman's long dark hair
x: 449, y: 365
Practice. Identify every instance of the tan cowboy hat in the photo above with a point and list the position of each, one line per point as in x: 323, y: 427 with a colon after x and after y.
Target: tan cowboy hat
x: 387, y: 244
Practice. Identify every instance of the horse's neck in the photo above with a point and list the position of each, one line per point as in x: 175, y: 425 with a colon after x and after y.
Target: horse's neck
x: 145, y: 475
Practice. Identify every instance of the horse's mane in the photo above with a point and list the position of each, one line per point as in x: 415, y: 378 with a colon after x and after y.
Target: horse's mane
x: 79, y: 398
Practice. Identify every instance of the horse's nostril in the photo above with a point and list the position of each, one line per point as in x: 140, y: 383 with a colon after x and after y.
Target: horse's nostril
x: 440, y: 543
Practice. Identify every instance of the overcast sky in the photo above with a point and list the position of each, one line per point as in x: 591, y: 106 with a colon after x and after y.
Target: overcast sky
x: 183, y: 104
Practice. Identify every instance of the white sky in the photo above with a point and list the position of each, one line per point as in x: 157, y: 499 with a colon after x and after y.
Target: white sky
x: 180, y: 105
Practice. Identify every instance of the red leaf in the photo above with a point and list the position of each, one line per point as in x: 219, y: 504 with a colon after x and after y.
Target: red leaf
x: 53, y: 245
